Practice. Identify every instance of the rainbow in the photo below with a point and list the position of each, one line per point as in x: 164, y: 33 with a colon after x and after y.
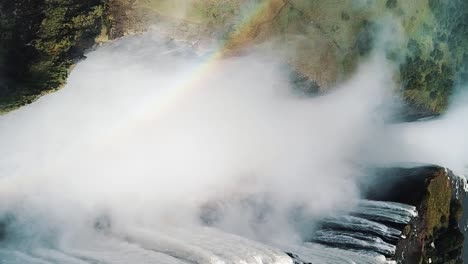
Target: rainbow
x: 239, y: 37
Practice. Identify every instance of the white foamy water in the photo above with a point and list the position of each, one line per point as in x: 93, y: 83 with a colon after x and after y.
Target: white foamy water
x: 115, y: 167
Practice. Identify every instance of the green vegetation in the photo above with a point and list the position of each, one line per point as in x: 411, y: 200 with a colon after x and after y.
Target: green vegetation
x: 427, y: 83
x: 391, y: 4
x: 47, y: 37
x: 215, y: 13
x: 438, y: 59
x: 67, y: 29
x: 321, y: 40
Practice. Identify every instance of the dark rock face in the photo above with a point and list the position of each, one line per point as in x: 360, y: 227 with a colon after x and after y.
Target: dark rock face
x: 434, y: 236
x: 411, y: 113
x: 296, y: 259
x: 302, y: 84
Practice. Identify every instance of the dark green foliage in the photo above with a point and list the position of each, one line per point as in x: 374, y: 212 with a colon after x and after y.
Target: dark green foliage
x: 413, y: 48
x: 429, y: 82
x: 20, y: 19
x: 436, y: 53
x: 46, y: 38
x: 391, y: 4
x: 345, y: 16
x: 365, y: 39
x: 452, y: 17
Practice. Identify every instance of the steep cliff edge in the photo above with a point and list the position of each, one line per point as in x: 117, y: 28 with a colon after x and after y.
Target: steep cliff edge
x: 435, y: 235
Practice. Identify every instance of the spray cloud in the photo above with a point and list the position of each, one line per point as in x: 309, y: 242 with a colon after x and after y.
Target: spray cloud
x: 113, y: 142
x: 130, y: 140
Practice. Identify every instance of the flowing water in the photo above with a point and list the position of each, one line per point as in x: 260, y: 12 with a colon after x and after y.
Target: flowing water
x: 104, y: 172
x: 342, y: 239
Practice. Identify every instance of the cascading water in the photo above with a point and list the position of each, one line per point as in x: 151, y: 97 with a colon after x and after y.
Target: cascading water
x: 370, y: 230
x: 115, y: 167
x: 345, y: 239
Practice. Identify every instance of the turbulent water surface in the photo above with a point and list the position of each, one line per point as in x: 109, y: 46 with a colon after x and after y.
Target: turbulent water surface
x: 345, y: 239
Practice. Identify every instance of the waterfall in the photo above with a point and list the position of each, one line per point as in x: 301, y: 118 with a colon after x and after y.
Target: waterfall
x: 368, y: 238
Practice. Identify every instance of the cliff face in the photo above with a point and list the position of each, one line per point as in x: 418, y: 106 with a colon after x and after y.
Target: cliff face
x: 435, y: 235
x: 322, y: 40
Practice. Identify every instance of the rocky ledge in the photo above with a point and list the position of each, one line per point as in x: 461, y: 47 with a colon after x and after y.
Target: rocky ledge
x: 435, y: 235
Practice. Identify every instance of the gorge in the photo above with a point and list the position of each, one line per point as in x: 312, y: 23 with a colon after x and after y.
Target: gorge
x: 234, y: 131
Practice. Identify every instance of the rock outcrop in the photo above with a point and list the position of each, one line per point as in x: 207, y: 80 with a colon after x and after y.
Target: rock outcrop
x: 435, y: 235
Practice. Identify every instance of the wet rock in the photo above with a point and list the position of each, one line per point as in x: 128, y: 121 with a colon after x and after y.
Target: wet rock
x: 296, y: 259
x: 435, y: 233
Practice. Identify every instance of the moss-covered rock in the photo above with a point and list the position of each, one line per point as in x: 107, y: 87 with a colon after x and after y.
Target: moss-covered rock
x: 436, y: 203
x: 434, y: 236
